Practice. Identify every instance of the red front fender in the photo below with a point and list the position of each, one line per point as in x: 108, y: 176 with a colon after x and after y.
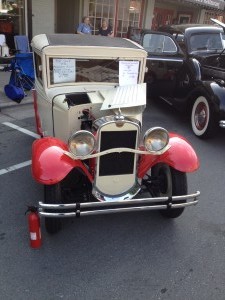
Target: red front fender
x: 49, y: 163
x: 181, y: 156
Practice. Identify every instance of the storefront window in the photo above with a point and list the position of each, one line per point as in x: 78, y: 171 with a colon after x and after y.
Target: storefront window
x: 129, y: 15
x: 12, y: 20
x: 120, y: 13
x: 99, y: 9
x: 164, y: 16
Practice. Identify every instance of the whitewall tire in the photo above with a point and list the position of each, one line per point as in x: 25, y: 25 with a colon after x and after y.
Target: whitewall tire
x: 202, y: 119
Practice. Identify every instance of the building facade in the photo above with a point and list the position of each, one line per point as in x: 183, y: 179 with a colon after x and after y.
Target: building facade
x: 32, y: 17
x: 187, y: 11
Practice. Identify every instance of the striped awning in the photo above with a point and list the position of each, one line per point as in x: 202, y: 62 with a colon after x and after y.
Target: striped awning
x: 214, y: 4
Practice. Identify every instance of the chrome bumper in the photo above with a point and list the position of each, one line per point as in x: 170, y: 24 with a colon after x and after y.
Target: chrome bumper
x: 222, y: 124
x: 97, y: 208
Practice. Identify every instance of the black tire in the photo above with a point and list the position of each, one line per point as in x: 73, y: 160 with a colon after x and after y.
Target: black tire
x: 203, y: 120
x: 171, y: 183
x: 53, y: 195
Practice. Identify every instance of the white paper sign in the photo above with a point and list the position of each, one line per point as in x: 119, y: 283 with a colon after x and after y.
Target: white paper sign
x: 128, y: 72
x: 64, y: 70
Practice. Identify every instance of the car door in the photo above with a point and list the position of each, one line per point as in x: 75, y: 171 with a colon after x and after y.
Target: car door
x: 164, y: 64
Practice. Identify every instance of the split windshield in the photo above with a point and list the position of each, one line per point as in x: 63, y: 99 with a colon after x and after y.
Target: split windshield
x: 72, y: 70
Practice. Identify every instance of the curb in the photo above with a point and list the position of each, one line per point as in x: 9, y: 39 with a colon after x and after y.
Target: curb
x: 12, y: 103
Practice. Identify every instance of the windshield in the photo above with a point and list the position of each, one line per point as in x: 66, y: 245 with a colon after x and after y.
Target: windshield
x: 72, y: 70
x: 206, y: 41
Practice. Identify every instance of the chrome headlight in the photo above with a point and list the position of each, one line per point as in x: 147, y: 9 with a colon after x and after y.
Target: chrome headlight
x: 82, y: 143
x: 156, y: 138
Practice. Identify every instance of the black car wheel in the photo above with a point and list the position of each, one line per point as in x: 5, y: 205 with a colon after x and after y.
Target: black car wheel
x: 171, y: 183
x: 52, y: 195
x: 202, y: 120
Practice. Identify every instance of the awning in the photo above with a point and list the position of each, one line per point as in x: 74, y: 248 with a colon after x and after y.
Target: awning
x: 216, y: 4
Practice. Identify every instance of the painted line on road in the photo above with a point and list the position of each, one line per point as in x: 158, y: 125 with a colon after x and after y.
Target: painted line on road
x: 15, y: 167
x: 28, y: 132
x: 25, y: 163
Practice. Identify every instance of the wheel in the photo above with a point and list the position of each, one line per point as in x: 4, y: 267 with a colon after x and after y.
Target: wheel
x: 53, y: 195
x: 202, y: 120
x: 171, y: 183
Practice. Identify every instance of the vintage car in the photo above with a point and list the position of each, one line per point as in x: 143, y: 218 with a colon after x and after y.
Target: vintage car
x: 186, y: 68
x: 93, y: 157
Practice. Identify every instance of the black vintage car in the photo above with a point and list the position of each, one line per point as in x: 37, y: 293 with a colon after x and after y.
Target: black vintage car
x: 186, y: 68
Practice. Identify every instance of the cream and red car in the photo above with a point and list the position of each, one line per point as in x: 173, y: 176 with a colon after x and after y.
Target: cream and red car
x: 93, y: 157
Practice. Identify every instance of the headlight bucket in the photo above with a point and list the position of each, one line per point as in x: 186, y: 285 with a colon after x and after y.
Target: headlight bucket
x: 82, y: 143
x: 156, y: 139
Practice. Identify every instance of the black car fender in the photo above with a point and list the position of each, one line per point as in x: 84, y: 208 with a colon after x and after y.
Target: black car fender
x: 213, y: 91
x: 217, y: 88
x: 195, y: 69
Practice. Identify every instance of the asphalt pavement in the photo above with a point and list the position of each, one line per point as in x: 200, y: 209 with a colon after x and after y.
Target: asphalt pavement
x: 128, y: 256
x: 4, y: 100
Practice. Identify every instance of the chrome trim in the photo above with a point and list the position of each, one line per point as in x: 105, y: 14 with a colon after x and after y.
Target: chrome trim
x: 222, y: 124
x: 96, y: 208
x: 137, y: 151
x: 71, y: 138
x: 112, y: 198
x: 165, y: 59
x: 114, y: 119
x: 99, y: 123
x: 154, y: 129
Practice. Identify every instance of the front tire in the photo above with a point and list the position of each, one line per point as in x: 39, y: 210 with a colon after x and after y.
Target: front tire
x: 171, y: 183
x: 203, y: 122
x: 53, y: 195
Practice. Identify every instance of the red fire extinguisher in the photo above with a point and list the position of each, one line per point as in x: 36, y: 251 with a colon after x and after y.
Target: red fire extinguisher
x: 34, y: 227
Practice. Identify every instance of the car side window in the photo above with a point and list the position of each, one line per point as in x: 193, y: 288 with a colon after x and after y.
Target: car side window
x: 169, y: 45
x: 159, y: 43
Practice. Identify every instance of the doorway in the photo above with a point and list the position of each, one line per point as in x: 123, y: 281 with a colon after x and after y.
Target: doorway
x: 67, y: 16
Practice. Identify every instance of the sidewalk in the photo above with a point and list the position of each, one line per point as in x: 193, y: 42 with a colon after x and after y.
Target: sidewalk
x: 4, y: 100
